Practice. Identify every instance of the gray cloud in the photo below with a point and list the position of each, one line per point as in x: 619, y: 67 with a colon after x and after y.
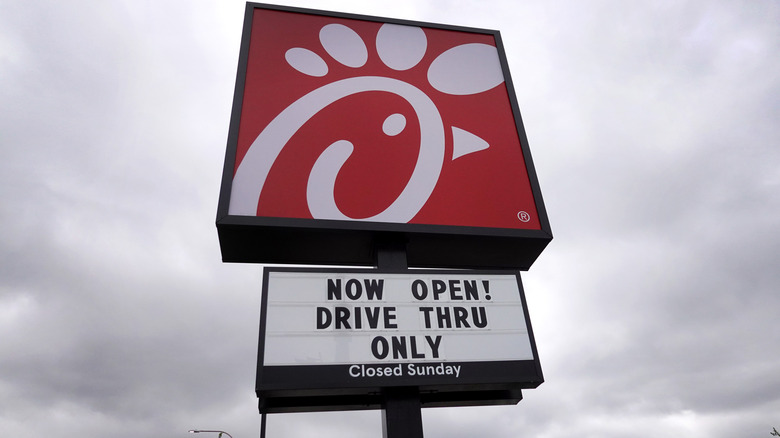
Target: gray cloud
x: 653, y: 129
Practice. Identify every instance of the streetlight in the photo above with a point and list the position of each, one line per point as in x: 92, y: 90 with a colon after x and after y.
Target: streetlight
x: 220, y: 432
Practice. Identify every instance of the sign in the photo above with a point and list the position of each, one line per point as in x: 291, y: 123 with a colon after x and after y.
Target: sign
x: 346, y: 127
x: 332, y: 338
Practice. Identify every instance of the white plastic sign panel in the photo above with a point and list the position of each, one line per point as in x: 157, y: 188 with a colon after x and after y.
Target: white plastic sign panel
x: 334, y: 329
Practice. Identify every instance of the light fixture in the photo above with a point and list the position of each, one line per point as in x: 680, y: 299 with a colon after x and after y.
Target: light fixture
x: 220, y: 432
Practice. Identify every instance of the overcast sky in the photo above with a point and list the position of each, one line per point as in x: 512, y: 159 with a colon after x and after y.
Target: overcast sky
x: 654, y: 130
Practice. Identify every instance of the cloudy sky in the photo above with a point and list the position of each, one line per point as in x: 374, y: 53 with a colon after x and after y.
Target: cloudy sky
x: 654, y: 130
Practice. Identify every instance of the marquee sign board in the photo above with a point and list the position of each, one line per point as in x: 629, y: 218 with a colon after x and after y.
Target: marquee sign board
x: 332, y: 339
x: 348, y: 128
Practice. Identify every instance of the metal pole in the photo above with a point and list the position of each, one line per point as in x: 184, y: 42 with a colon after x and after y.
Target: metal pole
x: 402, y: 413
x: 401, y: 406
x: 220, y: 432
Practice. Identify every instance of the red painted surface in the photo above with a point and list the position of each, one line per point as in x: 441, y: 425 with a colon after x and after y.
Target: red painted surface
x: 487, y: 188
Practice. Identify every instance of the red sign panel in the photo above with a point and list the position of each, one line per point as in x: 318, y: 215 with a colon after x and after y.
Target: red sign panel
x: 344, y: 118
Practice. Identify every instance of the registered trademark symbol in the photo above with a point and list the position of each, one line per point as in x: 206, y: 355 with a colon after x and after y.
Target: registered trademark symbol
x: 523, y: 216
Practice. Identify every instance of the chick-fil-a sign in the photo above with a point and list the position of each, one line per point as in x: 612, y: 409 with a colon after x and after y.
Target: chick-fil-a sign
x: 387, y: 122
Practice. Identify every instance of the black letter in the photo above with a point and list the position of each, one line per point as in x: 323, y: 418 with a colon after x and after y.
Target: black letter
x: 374, y: 289
x: 415, y: 353
x: 487, y: 289
x: 419, y: 289
x: 390, y: 318
x: 427, y: 313
x: 354, y: 289
x: 323, y: 318
x: 342, y: 317
x: 461, y: 317
x: 439, y: 287
x: 480, y: 323
x: 455, y: 287
x: 471, y: 289
x: 373, y: 318
x: 434, y: 345
x: 399, y: 346
x: 443, y: 315
x: 375, y: 347
x: 358, y: 318
x: 334, y: 289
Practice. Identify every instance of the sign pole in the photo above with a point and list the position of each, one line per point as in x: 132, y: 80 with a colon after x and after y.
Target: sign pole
x: 402, y: 413
x: 401, y: 407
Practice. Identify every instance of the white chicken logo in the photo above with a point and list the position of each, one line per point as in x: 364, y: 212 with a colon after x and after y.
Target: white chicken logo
x: 462, y: 70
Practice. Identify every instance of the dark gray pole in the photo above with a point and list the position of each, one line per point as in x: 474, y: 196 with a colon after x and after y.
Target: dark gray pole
x: 402, y: 413
x: 401, y: 407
